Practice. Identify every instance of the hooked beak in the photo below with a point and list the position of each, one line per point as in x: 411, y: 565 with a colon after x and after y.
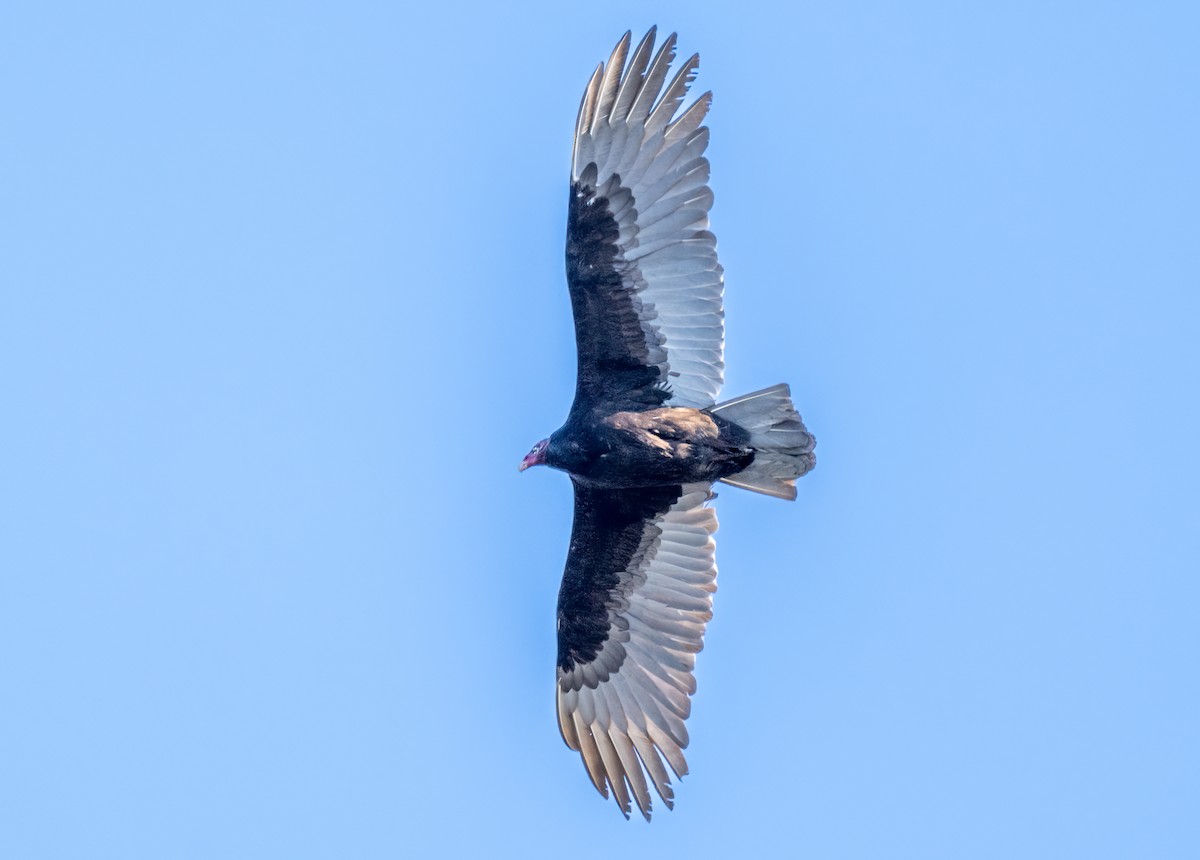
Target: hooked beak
x: 535, y: 457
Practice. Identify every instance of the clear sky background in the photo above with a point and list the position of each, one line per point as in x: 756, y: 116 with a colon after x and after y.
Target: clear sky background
x: 282, y: 307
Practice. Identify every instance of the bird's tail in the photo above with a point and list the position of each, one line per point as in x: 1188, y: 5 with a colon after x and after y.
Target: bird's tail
x: 783, y: 447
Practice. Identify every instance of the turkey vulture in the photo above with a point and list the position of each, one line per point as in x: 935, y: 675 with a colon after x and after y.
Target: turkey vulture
x: 645, y: 438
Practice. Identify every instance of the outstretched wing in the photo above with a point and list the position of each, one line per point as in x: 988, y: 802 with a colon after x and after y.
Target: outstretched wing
x: 634, y: 602
x: 641, y: 264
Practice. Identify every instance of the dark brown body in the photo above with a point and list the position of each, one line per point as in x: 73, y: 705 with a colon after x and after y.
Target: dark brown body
x: 652, y: 448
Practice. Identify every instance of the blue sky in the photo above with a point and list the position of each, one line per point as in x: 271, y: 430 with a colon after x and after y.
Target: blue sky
x: 281, y: 308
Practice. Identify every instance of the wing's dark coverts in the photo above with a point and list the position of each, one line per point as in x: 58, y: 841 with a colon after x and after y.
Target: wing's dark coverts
x: 641, y: 265
x: 634, y: 603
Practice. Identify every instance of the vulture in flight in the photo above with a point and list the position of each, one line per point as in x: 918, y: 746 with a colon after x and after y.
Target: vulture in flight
x: 646, y: 438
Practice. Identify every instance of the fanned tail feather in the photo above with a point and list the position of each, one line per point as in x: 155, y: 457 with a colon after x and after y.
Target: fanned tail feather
x: 783, y: 447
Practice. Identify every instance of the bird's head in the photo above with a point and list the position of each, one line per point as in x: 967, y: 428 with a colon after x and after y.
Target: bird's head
x: 536, y: 457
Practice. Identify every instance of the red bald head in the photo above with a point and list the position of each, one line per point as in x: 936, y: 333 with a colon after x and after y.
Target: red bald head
x: 535, y: 457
